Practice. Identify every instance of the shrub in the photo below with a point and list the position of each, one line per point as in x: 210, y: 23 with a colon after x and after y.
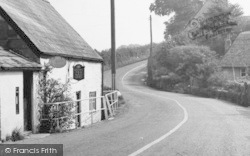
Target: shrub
x: 121, y: 100
x: 169, y: 81
x: 50, y: 113
x: 51, y: 91
x: 15, y: 135
x: 232, y: 86
x: 181, y: 88
x: 203, y: 92
x: 126, y: 55
x: 106, y: 88
x: 217, y: 79
x: 185, y: 63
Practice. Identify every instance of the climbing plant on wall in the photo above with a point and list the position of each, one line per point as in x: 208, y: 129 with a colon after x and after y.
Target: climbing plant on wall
x: 52, y: 91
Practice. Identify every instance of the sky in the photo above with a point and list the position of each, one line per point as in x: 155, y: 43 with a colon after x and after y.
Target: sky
x: 91, y: 19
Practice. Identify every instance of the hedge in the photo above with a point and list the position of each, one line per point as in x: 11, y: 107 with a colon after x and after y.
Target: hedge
x: 241, y: 98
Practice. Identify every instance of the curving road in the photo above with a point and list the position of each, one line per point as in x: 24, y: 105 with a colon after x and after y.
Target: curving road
x: 184, y: 125
x: 160, y: 123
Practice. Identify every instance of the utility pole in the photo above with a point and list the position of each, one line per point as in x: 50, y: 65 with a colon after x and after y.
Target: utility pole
x: 150, y: 55
x: 151, y: 37
x: 113, y: 54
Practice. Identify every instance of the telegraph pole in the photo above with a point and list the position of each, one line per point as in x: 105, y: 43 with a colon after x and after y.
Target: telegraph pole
x: 150, y: 55
x: 151, y: 37
x: 113, y: 54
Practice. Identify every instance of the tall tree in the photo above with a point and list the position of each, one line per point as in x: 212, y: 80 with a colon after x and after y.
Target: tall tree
x: 182, y: 11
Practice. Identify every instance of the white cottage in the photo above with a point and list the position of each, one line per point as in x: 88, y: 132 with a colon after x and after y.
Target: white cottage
x: 17, y: 75
x: 36, y: 31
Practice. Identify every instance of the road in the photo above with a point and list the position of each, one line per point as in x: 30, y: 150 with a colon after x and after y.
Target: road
x: 160, y: 123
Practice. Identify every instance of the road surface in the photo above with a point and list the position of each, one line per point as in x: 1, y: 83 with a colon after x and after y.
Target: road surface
x: 160, y: 123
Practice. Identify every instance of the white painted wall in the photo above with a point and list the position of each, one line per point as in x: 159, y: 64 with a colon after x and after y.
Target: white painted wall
x: 9, y: 119
x: 91, y: 82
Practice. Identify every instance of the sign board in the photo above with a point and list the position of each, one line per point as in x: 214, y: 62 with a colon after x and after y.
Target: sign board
x: 78, y: 72
x: 57, y: 62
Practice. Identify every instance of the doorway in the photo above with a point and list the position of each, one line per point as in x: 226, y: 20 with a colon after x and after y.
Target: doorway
x: 27, y: 95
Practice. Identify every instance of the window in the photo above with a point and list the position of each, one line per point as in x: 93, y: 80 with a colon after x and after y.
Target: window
x: 17, y: 100
x: 92, y: 101
x: 243, y: 72
x: 78, y: 107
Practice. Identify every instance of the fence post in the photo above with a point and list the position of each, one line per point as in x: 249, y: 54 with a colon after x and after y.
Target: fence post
x: 105, y: 108
x: 57, y: 116
x: 92, y: 117
x: 116, y: 99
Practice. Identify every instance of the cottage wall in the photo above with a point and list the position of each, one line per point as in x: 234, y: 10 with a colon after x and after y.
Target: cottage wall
x: 231, y: 74
x: 91, y: 83
x: 9, y: 119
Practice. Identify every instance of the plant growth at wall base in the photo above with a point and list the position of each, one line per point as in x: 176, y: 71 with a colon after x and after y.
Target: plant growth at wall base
x: 54, y: 117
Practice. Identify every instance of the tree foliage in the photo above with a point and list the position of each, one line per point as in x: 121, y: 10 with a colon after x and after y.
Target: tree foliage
x: 215, y: 10
x: 126, y: 55
x: 52, y: 91
x: 186, y: 63
x: 182, y: 10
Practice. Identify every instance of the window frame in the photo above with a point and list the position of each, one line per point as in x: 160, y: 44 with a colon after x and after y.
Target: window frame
x: 78, y: 107
x: 17, y: 100
x: 243, y: 73
x: 92, y: 102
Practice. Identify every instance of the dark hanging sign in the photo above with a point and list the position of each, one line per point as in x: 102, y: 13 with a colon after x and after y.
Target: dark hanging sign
x: 78, y: 72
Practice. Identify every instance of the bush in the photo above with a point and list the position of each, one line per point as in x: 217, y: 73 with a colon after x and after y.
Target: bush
x: 232, y: 95
x: 169, y: 82
x: 51, y: 91
x: 106, y: 88
x: 121, y: 100
x: 182, y: 64
x: 217, y: 79
x: 203, y: 92
x: 232, y: 86
x: 125, y: 55
x: 50, y: 113
x: 15, y: 135
x: 181, y: 88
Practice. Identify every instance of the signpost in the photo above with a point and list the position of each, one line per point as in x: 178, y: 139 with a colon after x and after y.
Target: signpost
x: 57, y: 62
x: 78, y: 72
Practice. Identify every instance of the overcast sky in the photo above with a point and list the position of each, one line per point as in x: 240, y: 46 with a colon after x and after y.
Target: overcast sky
x: 91, y: 19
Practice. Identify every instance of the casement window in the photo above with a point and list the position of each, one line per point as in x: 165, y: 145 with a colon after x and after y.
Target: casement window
x: 17, y: 100
x: 78, y: 107
x: 92, y: 101
x: 243, y: 72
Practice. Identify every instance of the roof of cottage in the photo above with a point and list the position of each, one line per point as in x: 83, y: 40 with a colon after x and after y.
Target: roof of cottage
x: 12, y: 61
x: 239, y: 53
x: 37, y: 22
